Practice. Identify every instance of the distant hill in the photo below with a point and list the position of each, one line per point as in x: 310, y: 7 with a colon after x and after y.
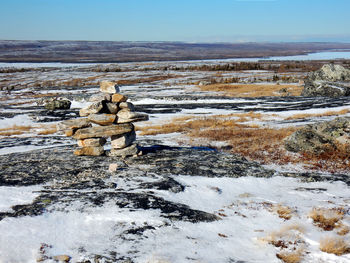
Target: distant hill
x: 105, y: 51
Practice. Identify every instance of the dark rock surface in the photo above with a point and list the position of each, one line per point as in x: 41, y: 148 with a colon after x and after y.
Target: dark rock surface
x: 86, y: 179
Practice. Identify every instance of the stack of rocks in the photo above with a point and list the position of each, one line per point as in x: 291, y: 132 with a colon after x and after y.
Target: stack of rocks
x: 108, y: 115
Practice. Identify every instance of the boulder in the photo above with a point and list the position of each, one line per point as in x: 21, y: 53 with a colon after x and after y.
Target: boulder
x: 307, y: 140
x: 126, y: 115
x: 92, y: 142
x: 325, y: 89
x: 100, y: 97
x: 119, y: 98
x: 112, y: 108
x: 119, y: 142
x: 103, y: 131
x: 58, y: 104
x: 320, y: 137
x: 128, y: 151
x: 95, y: 107
x: 73, y: 124
x: 127, y: 105
x: 329, y: 81
x: 102, y: 119
x: 330, y: 72
x: 90, y: 151
x: 109, y: 87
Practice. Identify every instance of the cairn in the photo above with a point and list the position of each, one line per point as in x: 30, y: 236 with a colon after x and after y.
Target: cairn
x: 109, y: 115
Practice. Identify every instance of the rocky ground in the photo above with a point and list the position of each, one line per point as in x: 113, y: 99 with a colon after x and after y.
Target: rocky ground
x: 175, y: 202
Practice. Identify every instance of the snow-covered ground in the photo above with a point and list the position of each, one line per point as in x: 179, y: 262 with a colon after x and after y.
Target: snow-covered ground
x: 244, y: 205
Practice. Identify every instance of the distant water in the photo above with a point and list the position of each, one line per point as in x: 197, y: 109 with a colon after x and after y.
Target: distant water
x: 316, y: 56
x: 312, y: 56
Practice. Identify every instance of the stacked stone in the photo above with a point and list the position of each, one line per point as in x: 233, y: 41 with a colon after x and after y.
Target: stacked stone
x: 108, y: 115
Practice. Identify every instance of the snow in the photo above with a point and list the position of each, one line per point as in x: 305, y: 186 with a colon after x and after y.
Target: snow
x: 17, y: 195
x: 18, y: 120
x: 247, y: 220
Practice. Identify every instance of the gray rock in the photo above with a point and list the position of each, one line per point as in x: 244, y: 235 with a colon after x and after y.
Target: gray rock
x: 329, y: 81
x: 100, y: 97
x: 127, y: 105
x: 58, y: 104
x: 93, y: 108
x: 128, y: 151
x: 330, y: 72
x: 325, y: 89
x: 109, y: 87
x: 103, y: 131
x: 73, y: 124
x: 119, y: 142
x: 125, y: 115
x: 320, y: 137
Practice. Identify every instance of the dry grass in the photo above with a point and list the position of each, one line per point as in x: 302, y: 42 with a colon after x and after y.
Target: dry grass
x: 284, y: 212
x: 291, y: 257
x: 335, y: 245
x: 326, y: 218
x: 343, y: 230
x: 262, y: 144
x: 289, y: 241
x: 253, y: 90
x: 325, y: 114
x: 15, y: 130
x: 44, y: 129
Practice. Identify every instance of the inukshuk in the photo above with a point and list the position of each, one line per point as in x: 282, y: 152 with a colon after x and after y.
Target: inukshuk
x: 108, y: 115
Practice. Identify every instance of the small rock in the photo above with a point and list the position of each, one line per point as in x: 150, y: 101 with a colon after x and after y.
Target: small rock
x: 69, y: 132
x: 90, y: 151
x: 109, y: 87
x: 128, y: 151
x: 119, y: 142
x: 92, y: 142
x: 125, y: 115
x: 113, y: 167
x: 127, y: 105
x: 112, y: 108
x: 95, y: 107
x: 62, y: 258
x: 58, y: 104
x: 102, y: 119
x: 119, y: 98
x: 103, y: 131
x: 100, y: 97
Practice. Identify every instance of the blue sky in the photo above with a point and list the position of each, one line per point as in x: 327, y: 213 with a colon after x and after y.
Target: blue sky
x: 178, y: 20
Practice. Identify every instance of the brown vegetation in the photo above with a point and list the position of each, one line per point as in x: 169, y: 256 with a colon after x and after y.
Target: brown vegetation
x: 253, y: 90
x: 325, y: 114
x: 284, y: 212
x: 262, y: 144
x: 37, y: 129
x: 289, y: 241
x: 327, y: 219
x: 335, y: 245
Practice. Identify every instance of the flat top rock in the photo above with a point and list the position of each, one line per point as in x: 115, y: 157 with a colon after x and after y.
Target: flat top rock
x: 330, y: 72
x: 103, y: 131
x: 73, y: 124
